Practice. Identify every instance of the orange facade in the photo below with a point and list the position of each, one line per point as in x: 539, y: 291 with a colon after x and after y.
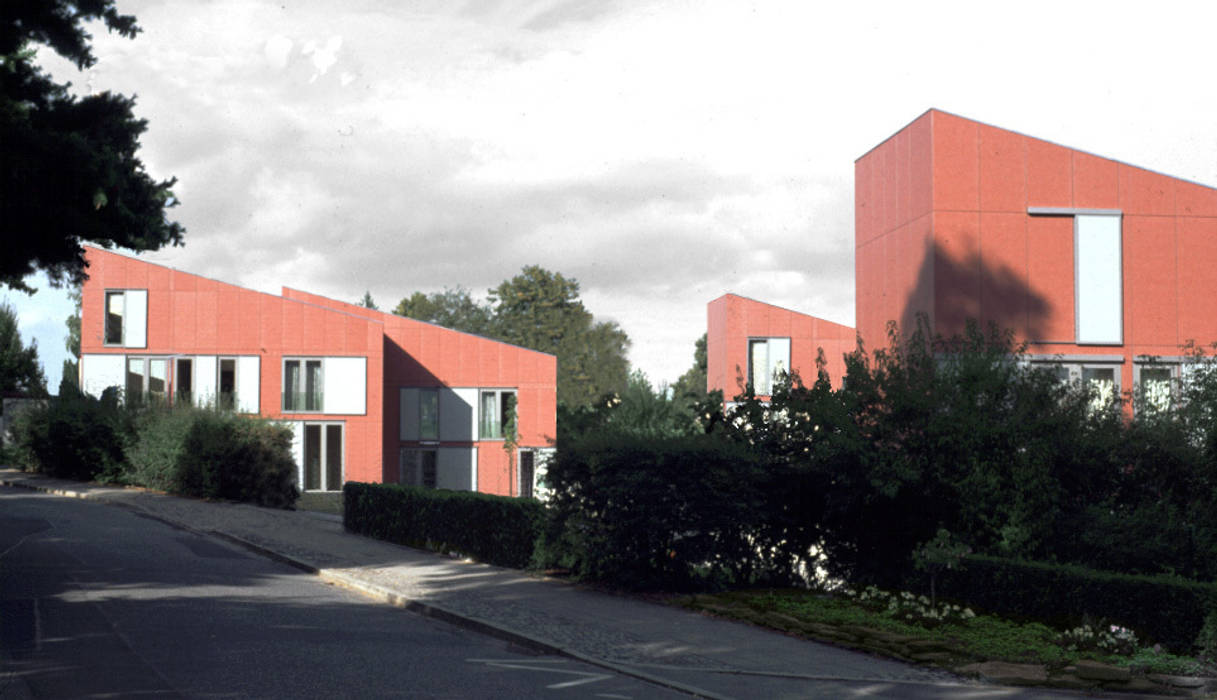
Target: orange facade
x: 748, y: 339
x: 1091, y: 261
x: 144, y: 325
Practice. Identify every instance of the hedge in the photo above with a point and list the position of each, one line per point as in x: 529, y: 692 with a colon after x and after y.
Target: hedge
x: 1164, y: 609
x: 491, y: 529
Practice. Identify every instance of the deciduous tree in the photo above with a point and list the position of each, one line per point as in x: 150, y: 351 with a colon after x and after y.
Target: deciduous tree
x: 20, y: 371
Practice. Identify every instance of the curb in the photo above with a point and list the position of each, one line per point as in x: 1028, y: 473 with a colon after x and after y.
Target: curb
x: 383, y: 594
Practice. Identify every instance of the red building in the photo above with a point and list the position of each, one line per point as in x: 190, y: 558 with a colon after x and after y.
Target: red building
x: 748, y: 341
x: 1103, y: 267
x: 369, y: 396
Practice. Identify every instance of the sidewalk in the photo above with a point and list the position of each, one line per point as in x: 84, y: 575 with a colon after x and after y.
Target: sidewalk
x: 686, y: 651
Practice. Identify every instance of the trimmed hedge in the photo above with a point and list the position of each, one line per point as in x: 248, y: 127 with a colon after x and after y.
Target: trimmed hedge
x: 1164, y: 609
x: 491, y: 529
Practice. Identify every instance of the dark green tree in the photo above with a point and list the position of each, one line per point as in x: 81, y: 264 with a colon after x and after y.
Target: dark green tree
x: 20, y: 371
x: 68, y: 165
x: 367, y: 302
x: 451, y: 308
x: 541, y: 310
x: 690, y: 388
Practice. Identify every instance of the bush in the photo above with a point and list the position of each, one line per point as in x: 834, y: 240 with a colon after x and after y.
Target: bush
x: 74, y: 437
x: 668, y: 513
x: 1164, y: 609
x: 491, y: 529
x: 224, y: 455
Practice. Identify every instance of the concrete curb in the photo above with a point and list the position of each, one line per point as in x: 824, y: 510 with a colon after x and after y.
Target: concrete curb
x: 384, y: 594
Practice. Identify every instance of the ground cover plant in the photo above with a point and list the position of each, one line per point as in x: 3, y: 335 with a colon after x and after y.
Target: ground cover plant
x: 951, y: 633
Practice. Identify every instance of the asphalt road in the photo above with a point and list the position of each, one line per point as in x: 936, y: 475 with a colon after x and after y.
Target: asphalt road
x: 98, y: 601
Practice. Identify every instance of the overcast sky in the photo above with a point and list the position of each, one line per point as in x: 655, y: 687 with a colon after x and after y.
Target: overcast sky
x: 661, y: 153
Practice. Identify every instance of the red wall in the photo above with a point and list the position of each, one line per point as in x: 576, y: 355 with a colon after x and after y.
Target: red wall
x: 188, y: 315
x: 942, y: 228
x: 731, y: 320
x: 420, y: 354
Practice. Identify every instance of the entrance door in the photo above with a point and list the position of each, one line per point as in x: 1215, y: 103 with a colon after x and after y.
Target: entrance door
x: 322, y: 456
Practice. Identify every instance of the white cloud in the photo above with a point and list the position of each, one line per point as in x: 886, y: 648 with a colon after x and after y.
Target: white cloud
x: 661, y: 154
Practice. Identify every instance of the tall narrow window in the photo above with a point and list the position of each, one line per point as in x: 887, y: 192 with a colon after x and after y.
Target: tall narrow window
x: 1098, y: 283
x: 322, y: 468
x: 183, y: 380
x: 312, y: 385
x: 115, y: 307
x: 312, y: 457
x: 428, y: 414
x: 528, y: 473
x: 292, y: 400
x: 158, y: 378
x: 1102, y: 380
x: 228, y: 383
x: 333, y: 457
x: 135, y: 379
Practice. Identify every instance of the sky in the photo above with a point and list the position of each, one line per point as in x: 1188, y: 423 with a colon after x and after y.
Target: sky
x: 660, y: 153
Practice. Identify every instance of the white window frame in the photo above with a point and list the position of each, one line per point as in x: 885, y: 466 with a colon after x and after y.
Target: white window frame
x: 146, y: 374
x: 303, y: 360
x: 134, y: 324
x: 1097, y: 284
x: 122, y: 322
x: 777, y: 359
x: 1172, y: 364
x: 1075, y: 366
x: 498, y: 410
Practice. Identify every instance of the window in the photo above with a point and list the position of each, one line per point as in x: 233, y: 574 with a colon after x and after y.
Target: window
x: 183, y: 381
x: 1098, y: 284
x: 768, y: 358
x: 322, y: 457
x: 147, y: 377
x: 227, y: 383
x: 302, y: 386
x: 428, y: 414
x: 418, y: 468
x: 1101, y: 373
x: 497, y: 410
x: 1155, y: 383
x: 528, y: 473
x: 115, y: 309
x: 126, y: 316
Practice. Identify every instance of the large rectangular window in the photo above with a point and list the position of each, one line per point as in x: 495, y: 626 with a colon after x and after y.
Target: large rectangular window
x: 126, y: 318
x: 147, y: 377
x: 302, y: 386
x: 768, y: 358
x: 418, y: 468
x: 136, y: 372
x: 496, y: 413
x: 1155, y: 387
x: 1098, y: 281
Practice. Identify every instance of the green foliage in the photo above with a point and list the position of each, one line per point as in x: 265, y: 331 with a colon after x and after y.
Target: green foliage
x: 908, y: 607
x: 640, y: 410
x: 367, y: 302
x: 20, y: 371
x: 539, y: 310
x: 71, y: 365
x: 187, y: 451
x: 233, y: 457
x: 942, y: 553
x: 491, y: 529
x: 1106, y: 639
x: 451, y: 308
x: 69, y: 166
x: 668, y: 513
x: 1206, y: 638
x: 74, y: 437
x: 1165, y: 609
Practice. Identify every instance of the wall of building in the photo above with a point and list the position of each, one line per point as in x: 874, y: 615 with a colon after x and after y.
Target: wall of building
x: 943, y: 228
x: 420, y: 354
x: 189, y: 315
x: 732, y: 320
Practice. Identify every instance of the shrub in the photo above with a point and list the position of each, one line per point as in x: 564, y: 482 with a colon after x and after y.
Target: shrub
x: 224, y: 455
x: 1165, y: 609
x: 670, y: 513
x: 492, y: 529
x: 74, y: 437
x: 154, y: 453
